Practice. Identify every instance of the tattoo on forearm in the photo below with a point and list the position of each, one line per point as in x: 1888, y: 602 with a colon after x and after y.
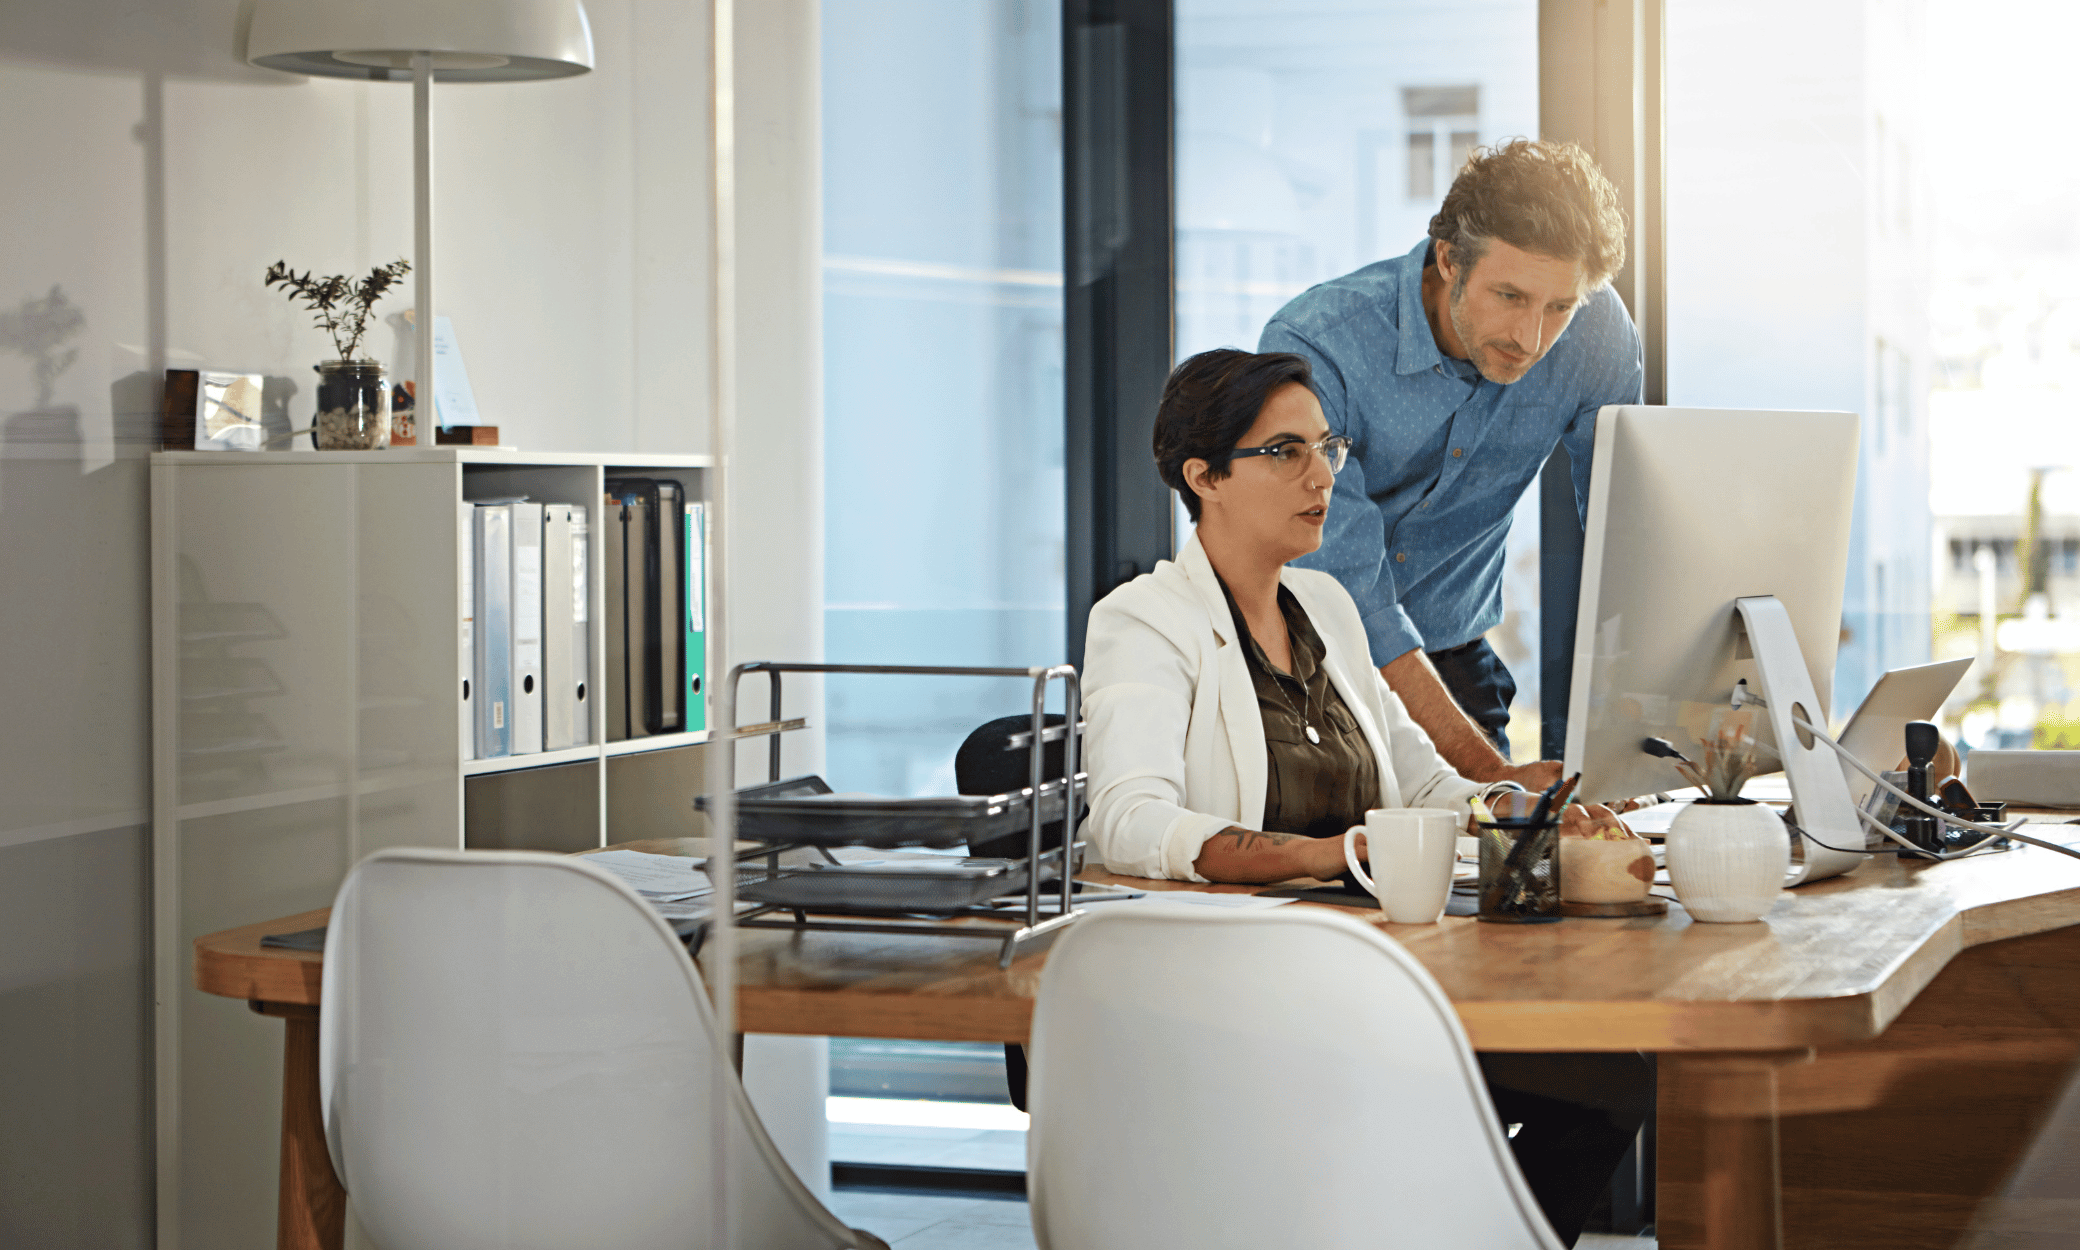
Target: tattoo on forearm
x: 1253, y: 839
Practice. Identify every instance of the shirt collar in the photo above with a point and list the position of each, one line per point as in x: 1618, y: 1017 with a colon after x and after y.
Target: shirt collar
x: 1417, y: 349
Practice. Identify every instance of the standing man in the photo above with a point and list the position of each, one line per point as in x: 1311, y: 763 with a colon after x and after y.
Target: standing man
x: 1454, y: 371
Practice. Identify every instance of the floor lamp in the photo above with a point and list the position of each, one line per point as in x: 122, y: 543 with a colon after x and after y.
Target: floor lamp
x: 418, y: 41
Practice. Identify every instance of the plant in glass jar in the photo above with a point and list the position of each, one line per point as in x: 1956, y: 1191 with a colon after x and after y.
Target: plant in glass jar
x: 353, y: 395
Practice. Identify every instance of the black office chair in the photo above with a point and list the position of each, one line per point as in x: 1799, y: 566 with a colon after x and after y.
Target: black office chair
x: 984, y: 765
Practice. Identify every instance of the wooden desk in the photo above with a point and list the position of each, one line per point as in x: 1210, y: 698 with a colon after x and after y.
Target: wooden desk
x: 1909, y: 1024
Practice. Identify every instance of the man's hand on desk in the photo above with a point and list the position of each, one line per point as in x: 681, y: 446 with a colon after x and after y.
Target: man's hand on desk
x: 1535, y: 777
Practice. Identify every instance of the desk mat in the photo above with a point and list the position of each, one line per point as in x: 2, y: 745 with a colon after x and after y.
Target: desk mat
x: 1461, y: 904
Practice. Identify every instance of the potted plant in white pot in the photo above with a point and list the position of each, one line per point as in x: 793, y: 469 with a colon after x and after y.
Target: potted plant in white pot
x: 1726, y: 855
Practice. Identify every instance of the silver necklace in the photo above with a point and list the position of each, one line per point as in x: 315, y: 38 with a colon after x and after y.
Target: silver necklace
x: 1306, y: 697
x: 1306, y: 700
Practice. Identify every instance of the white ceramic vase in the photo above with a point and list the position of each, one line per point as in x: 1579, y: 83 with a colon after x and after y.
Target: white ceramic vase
x: 1727, y: 859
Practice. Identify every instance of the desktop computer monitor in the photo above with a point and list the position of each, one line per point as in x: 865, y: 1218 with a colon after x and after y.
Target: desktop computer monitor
x: 1695, y: 514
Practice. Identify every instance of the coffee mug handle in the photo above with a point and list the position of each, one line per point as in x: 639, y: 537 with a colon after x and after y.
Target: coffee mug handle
x: 1350, y: 857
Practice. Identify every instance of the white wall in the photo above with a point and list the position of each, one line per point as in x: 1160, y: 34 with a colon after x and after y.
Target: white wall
x: 776, y: 545
x: 151, y: 178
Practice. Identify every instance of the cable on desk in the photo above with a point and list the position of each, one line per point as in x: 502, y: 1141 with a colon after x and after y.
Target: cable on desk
x: 1991, y: 831
x: 1982, y: 847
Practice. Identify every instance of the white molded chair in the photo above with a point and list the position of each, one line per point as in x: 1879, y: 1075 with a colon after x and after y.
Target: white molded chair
x: 515, y: 1054
x: 1285, y: 1077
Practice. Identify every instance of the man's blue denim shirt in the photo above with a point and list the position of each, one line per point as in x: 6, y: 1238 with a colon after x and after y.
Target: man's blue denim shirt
x: 1440, y: 454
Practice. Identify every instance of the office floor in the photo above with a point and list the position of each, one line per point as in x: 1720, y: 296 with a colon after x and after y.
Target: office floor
x: 929, y: 1146
x: 914, y: 1222
x: 930, y: 1222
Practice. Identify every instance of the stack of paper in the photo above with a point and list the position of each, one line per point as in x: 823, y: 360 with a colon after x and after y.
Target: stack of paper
x: 674, y: 884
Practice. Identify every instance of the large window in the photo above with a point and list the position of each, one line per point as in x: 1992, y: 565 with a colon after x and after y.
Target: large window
x: 1314, y: 138
x: 1798, y: 268
x: 2003, y: 395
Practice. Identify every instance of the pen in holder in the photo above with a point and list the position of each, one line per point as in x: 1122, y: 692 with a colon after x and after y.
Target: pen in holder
x: 1520, y: 861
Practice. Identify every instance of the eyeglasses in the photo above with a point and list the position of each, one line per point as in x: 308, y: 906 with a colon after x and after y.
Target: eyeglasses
x: 1290, y: 457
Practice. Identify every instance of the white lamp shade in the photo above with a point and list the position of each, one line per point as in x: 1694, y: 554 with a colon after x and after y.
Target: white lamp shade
x: 471, y: 40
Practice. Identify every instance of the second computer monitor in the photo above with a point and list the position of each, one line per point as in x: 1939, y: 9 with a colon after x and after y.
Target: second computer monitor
x: 1689, y: 510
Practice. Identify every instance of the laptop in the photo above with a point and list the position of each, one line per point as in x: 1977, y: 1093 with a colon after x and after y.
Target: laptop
x: 1876, y: 735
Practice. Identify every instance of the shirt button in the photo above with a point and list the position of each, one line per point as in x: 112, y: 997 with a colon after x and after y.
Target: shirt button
x: 1458, y: 451
x: 1401, y: 557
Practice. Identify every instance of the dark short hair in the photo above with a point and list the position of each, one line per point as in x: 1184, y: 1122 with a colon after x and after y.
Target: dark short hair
x: 1539, y: 196
x: 1209, y: 403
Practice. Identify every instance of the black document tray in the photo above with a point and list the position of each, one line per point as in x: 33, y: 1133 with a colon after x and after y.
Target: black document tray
x: 905, y: 886
x: 804, y: 812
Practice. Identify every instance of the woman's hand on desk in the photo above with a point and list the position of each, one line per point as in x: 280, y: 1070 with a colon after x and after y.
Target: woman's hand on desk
x: 1248, y: 856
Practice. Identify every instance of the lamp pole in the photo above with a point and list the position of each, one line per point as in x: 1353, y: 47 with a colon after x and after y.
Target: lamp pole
x: 424, y: 418
x: 721, y: 761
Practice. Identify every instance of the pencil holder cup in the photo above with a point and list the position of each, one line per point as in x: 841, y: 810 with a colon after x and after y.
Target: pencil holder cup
x: 1520, y: 870
x: 1727, y: 859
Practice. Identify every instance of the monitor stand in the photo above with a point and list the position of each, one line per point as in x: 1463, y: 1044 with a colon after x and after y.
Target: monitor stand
x: 1819, y: 789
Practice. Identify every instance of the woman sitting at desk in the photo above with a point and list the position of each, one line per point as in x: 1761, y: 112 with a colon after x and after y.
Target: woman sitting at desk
x: 1237, y: 724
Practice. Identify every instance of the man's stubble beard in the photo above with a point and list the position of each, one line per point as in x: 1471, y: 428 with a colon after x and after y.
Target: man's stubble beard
x: 1476, y: 352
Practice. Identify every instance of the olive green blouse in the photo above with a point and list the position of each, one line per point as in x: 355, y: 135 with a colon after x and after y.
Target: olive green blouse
x: 1321, y: 783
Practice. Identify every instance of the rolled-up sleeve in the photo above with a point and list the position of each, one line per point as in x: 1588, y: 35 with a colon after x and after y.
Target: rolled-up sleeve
x: 1138, y: 707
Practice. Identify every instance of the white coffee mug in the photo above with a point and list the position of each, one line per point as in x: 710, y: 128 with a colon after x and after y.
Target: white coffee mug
x: 1411, y: 849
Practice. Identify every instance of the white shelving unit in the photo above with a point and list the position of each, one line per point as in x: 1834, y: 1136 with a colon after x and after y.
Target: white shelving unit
x: 306, y: 675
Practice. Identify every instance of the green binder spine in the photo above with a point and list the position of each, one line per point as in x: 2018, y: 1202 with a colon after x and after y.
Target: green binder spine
x: 696, y: 702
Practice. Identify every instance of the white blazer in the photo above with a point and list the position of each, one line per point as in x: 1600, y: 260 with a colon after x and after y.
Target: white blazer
x: 1175, y: 745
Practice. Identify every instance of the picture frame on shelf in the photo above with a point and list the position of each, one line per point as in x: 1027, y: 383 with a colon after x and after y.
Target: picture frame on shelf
x: 212, y: 410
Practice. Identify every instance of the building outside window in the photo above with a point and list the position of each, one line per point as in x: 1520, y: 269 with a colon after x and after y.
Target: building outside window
x: 1959, y: 237
x: 1443, y: 128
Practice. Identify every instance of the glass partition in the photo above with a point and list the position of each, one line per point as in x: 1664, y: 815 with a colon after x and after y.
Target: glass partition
x: 943, y: 477
x: 942, y: 371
